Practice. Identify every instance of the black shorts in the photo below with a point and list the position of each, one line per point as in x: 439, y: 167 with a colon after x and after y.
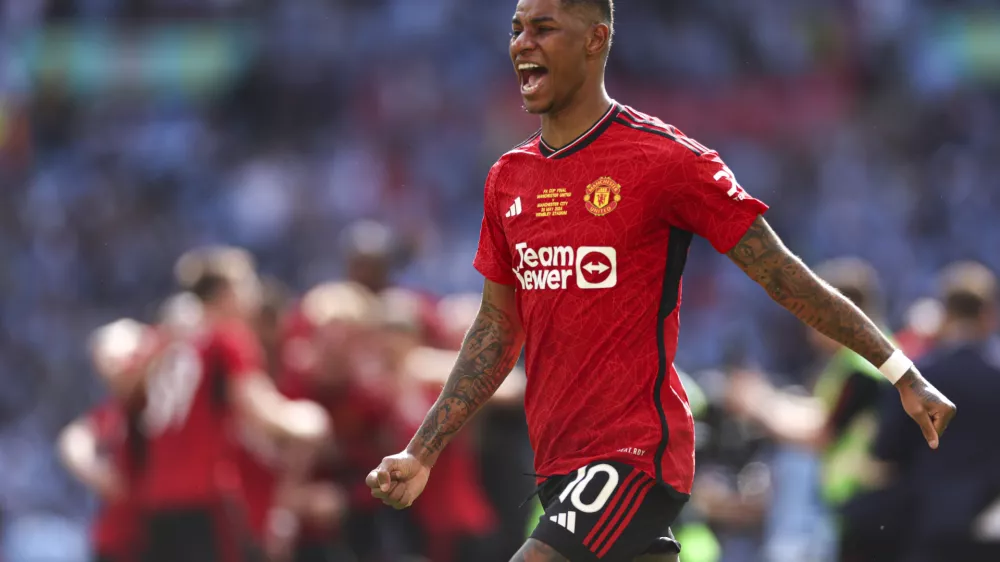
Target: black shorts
x: 608, y: 511
x: 198, y: 535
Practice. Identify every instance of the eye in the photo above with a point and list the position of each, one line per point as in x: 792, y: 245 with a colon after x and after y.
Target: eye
x: 544, y: 29
x: 515, y: 33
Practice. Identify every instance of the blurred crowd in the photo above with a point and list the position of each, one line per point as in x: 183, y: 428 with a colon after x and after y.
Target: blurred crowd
x: 133, y: 131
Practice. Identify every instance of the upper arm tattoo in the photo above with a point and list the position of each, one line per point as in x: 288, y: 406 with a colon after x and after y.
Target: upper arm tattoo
x: 764, y: 258
x: 489, y: 352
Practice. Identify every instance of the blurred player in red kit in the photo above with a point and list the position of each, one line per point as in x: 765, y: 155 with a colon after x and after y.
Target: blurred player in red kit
x: 199, y: 387
x: 328, y: 357
x: 97, y: 447
x: 584, y: 238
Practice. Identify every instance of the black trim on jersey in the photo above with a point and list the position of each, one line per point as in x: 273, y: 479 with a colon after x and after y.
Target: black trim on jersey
x: 651, y: 129
x: 536, y: 135
x: 584, y: 140
x: 677, y: 251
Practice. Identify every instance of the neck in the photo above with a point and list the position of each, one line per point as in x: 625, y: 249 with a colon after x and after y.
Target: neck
x: 964, y: 331
x: 563, y: 126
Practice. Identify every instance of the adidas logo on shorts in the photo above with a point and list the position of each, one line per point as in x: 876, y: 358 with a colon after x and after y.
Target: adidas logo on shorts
x: 565, y: 520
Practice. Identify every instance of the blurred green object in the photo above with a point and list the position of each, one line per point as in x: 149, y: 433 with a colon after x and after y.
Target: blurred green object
x: 846, y: 460
x: 698, y: 543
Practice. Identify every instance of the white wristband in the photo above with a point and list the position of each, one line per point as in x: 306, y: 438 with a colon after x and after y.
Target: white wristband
x: 896, y: 366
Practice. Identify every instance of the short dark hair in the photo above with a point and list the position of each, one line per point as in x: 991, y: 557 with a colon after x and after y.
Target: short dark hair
x: 968, y: 289
x: 856, y: 280
x: 207, y: 271
x: 605, y: 7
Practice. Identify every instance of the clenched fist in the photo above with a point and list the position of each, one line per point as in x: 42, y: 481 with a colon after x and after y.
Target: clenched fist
x: 398, y: 480
x: 926, y: 405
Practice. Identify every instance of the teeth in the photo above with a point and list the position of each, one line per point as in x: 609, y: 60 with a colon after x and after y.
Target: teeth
x: 528, y: 66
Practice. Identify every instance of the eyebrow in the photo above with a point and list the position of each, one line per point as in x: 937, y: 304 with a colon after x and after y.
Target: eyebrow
x: 535, y: 20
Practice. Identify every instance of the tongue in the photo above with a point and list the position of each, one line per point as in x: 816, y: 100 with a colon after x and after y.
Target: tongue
x: 534, y: 78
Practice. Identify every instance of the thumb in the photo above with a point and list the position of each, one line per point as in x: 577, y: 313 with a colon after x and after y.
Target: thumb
x: 927, y: 427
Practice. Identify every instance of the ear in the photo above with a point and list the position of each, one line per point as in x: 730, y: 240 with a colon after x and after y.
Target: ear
x: 598, y: 39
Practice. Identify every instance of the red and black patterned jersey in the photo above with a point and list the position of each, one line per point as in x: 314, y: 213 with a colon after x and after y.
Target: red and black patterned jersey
x: 594, y: 237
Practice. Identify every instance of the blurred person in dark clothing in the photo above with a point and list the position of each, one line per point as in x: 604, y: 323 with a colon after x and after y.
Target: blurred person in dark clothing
x: 949, y: 491
x: 839, y: 421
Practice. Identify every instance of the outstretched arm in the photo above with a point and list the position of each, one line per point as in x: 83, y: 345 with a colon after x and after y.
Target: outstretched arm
x: 489, y: 352
x: 788, y: 281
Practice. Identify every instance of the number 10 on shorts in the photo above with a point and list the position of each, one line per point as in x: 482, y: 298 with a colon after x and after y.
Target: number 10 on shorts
x: 583, y: 478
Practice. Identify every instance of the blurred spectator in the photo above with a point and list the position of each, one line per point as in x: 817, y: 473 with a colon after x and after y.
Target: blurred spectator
x: 946, y: 500
x: 840, y: 421
x: 133, y: 131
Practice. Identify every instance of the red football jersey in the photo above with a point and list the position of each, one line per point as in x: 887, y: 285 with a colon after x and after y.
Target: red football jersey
x: 191, y: 452
x: 114, y: 533
x: 594, y: 237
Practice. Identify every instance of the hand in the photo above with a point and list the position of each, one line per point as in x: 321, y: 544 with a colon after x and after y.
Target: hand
x: 398, y: 480
x: 926, y: 405
x: 747, y: 392
x: 307, y: 421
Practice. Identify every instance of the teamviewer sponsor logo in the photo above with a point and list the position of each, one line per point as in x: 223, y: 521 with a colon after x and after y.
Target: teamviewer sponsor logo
x: 557, y: 267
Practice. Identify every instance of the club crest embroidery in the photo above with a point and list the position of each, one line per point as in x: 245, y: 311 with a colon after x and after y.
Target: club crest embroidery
x: 602, y: 196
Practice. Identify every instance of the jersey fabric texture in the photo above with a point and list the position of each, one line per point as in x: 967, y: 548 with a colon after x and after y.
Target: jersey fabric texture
x: 607, y: 511
x: 594, y: 237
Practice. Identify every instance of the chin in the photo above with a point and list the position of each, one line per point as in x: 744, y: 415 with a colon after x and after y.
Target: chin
x: 538, y: 107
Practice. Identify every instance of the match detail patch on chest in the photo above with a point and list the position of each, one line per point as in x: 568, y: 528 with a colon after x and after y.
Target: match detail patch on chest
x: 602, y: 196
x: 553, y: 202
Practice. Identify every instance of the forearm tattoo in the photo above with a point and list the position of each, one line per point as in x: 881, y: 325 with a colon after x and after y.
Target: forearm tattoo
x: 919, y: 386
x: 489, y: 352
x: 764, y: 258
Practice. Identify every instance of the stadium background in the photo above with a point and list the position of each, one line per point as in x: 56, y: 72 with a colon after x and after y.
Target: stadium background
x: 131, y: 131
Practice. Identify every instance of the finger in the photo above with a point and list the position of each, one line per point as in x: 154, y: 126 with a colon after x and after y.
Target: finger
x: 372, y: 480
x: 396, y: 496
x: 384, y: 481
x: 942, y: 419
x: 927, y: 427
x: 408, y: 498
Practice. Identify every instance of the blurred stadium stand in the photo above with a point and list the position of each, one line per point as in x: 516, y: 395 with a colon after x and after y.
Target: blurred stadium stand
x: 132, y: 130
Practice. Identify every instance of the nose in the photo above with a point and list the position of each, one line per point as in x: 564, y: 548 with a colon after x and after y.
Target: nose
x: 523, y: 43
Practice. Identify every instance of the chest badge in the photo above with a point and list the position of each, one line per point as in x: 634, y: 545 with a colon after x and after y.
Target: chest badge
x: 602, y: 196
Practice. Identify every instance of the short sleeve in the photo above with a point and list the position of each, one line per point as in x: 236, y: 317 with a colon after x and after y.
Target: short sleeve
x: 701, y: 195
x: 239, y: 352
x: 493, y: 257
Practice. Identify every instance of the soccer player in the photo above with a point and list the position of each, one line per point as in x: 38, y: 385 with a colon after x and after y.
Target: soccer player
x: 586, y: 229
x: 96, y: 447
x: 199, y: 387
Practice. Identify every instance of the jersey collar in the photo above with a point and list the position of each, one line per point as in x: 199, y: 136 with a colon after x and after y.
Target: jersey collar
x: 583, y: 140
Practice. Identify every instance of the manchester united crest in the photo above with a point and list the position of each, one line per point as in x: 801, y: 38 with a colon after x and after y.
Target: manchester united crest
x: 602, y: 196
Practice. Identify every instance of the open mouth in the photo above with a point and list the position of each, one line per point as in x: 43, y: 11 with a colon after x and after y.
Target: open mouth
x: 532, y: 76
